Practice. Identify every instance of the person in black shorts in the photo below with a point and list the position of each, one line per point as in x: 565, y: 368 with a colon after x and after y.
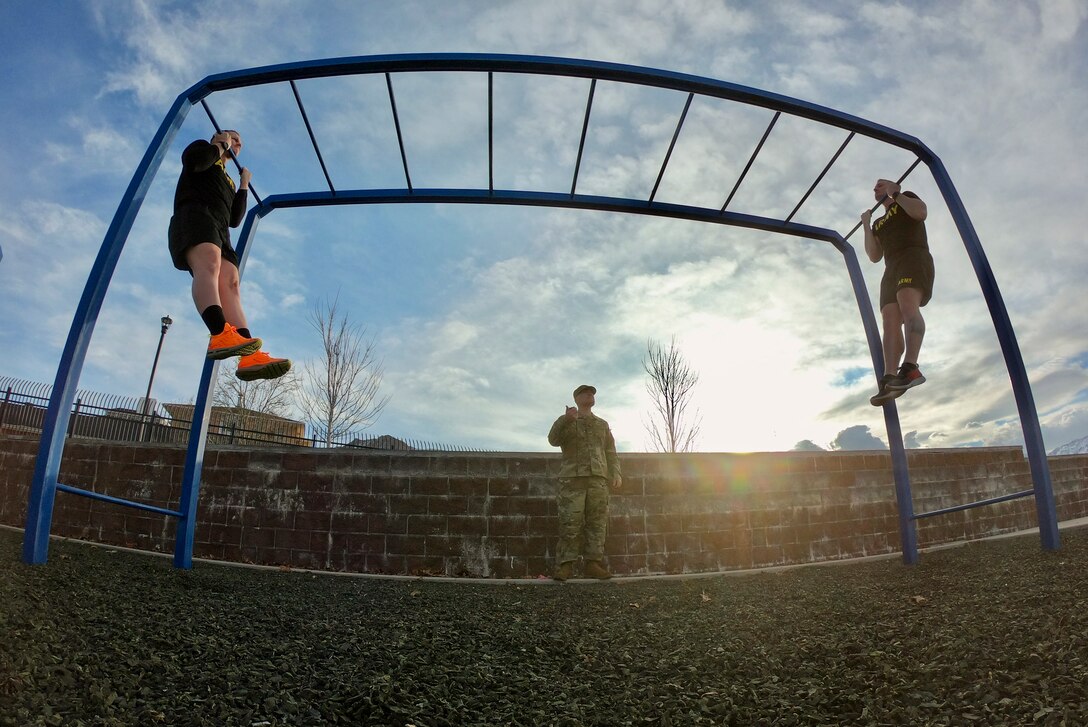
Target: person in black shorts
x: 205, y: 205
x: 899, y: 236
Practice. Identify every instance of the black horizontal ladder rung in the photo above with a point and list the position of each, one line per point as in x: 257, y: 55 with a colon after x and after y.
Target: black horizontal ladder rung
x: 751, y: 160
x: 672, y: 145
x: 822, y: 174
x: 396, y: 124
x: 582, y: 140
x: 215, y: 125
x: 875, y: 206
x: 313, y: 138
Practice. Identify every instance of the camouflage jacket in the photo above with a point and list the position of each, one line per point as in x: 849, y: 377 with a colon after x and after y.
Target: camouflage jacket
x: 588, y: 447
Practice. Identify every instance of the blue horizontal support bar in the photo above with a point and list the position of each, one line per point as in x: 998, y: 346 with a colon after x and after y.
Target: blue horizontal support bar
x: 980, y: 503
x: 117, y: 500
x: 547, y: 199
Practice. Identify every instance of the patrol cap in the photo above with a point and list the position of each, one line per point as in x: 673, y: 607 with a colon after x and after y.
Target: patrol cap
x: 584, y: 387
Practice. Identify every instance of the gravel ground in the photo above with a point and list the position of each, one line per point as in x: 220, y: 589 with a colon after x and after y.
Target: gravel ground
x: 994, y: 633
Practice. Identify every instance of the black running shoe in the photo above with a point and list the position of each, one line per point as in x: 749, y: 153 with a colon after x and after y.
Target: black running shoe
x: 908, y: 377
x: 884, y: 395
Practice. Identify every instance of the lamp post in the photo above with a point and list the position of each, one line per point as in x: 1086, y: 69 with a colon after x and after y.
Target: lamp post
x: 166, y: 321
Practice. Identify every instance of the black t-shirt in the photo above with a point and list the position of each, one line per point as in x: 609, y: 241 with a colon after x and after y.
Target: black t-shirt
x: 897, y: 231
x: 205, y: 184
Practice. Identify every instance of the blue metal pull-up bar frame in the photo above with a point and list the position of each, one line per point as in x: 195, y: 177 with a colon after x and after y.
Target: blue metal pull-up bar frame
x: 47, y: 469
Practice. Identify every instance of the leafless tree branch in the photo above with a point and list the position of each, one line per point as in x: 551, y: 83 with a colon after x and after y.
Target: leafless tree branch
x: 670, y: 386
x: 267, y: 396
x: 340, y: 391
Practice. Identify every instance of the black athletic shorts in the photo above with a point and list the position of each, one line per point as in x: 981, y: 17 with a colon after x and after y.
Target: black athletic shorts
x: 912, y: 269
x: 192, y: 226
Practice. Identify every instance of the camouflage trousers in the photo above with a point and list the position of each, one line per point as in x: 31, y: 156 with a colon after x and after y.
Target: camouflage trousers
x: 583, y: 518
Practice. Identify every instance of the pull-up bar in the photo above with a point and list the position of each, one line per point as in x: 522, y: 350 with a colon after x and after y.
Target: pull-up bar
x: 313, y: 139
x: 672, y: 144
x: 400, y: 136
x: 218, y: 130
x: 45, y: 481
x: 751, y: 160
x: 820, y: 177
x: 902, y: 176
x: 582, y: 140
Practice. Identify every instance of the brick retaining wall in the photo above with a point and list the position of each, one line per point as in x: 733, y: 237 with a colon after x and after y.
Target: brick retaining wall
x: 494, y: 515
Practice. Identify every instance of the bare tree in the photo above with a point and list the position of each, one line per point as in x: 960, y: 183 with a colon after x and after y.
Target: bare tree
x: 671, y: 384
x: 256, y: 410
x: 266, y: 396
x: 339, y: 392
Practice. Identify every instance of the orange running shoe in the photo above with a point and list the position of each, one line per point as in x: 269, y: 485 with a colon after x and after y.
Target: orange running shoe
x: 260, y: 365
x: 231, y: 343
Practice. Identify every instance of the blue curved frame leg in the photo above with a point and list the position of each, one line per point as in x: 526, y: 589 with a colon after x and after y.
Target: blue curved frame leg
x: 198, y: 432
x: 908, y: 534
x: 1045, y: 508
x: 43, y: 486
x: 194, y: 463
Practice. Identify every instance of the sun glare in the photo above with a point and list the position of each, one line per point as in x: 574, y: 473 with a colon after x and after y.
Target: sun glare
x: 754, y: 394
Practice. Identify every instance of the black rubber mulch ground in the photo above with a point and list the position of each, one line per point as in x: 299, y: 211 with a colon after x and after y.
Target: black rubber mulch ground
x: 988, y: 634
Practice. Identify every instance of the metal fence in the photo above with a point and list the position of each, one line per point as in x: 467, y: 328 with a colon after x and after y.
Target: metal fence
x: 132, y: 419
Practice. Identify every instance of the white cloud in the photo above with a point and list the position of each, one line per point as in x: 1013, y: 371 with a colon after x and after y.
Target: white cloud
x: 48, y: 252
x: 500, y: 313
x: 857, y: 437
x: 1062, y: 19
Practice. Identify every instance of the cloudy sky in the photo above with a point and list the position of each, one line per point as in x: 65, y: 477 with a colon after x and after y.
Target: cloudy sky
x: 487, y: 317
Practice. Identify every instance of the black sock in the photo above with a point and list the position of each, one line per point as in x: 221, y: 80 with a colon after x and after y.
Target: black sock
x: 214, y: 319
x: 244, y: 333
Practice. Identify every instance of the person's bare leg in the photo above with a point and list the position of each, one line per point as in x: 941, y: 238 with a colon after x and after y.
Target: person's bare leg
x: 893, y: 337
x: 256, y: 364
x: 909, y: 375
x: 914, y: 326
x: 230, y: 293
x: 205, y: 261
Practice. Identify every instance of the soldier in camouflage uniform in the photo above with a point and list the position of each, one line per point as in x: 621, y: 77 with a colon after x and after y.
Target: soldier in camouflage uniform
x: 590, y: 467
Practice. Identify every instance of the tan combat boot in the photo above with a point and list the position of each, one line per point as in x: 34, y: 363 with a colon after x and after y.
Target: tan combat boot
x: 594, y: 569
x: 563, y: 572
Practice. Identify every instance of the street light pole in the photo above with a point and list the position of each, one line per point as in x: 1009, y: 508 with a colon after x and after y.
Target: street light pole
x: 166, y: 321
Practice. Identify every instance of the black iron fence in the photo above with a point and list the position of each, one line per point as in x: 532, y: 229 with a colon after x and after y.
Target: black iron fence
x: 132, y: 419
